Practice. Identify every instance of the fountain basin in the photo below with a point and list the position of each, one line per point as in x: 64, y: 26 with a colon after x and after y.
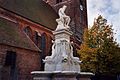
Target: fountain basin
x: 61, y: 75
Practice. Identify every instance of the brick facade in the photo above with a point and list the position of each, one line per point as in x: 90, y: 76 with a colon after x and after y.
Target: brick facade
x: 26, y: 61
x: 23, y: 23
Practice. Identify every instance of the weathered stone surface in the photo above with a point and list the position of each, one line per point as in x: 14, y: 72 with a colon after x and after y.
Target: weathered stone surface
x: 41, y: 75
x: 57, y: 75
x: 62, y: 58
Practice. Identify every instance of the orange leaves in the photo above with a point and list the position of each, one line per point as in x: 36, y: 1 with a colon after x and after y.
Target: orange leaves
x: 99, y: 50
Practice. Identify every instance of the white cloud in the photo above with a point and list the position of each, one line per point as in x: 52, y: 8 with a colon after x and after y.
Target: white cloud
x: 115, y: 4
x: 107, y: 8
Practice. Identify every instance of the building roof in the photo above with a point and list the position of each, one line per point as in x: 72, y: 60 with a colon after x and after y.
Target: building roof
x: 36, y: 10
x: 10, y: 34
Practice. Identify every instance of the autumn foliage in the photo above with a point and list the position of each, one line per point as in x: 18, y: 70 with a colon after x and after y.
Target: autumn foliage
x: 99, y: 51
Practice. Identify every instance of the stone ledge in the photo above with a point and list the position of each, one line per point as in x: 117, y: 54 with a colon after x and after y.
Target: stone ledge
x: 67, y: 31
x: 61, y: 75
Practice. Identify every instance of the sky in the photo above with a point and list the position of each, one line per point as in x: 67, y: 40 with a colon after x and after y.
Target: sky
x: 109, y: 9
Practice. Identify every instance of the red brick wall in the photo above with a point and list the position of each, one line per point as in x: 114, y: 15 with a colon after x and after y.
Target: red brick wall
x: 24, y: 23
x: 26, y: 61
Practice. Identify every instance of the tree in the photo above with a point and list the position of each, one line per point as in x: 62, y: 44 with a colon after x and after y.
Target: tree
x: 99, y: 52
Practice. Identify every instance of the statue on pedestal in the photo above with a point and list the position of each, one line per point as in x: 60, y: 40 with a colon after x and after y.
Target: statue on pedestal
x: 61, y: 65
x: 64, y: 20
x: 62, y: 58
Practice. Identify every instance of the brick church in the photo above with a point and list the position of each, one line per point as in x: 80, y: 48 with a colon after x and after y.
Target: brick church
x: 26, y: 33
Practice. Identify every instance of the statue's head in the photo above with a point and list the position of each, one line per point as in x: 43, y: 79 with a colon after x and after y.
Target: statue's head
x: 64, y: 6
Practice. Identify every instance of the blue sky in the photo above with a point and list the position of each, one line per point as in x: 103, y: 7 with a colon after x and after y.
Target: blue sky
x: 109, y: 9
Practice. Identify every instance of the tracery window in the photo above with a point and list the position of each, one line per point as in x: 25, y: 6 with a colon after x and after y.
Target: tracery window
x: 28, y: 31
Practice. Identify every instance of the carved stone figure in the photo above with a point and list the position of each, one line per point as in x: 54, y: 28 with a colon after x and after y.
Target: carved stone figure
x: 62, y: 58
x: 64, y: 20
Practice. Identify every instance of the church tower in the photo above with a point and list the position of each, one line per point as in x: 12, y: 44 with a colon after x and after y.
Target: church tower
x: 77, y: 10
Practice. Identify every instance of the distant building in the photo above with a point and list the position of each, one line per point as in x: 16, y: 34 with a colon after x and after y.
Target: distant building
x: 26, y: 32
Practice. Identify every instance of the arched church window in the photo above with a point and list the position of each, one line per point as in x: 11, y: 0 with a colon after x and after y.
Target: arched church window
x: 43, y: 41
x: 43, y: 49
x: 58, y: 1
x: 37, y: 39
x: 50, y: 43
x: 28, y: 31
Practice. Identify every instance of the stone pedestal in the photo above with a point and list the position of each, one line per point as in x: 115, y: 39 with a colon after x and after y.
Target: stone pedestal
x: 64, y: 75
x: 62, y: 58
x: 62, y: 34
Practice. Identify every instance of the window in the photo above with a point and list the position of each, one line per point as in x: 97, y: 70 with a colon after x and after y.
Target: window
x: 37, y: 40
x: 28, y: 31
x: 10, y: 58
x: 43, y: 48
x: 81, y: 16
x: 43, y: 42
x: 58, y: 1
x: 50, y: 49
x: 10, y: 65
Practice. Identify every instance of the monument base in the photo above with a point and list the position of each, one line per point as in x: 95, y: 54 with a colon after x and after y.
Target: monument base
x: 64, y: 75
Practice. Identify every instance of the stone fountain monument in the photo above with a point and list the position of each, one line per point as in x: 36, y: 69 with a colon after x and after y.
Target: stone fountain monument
x: 61, y: 65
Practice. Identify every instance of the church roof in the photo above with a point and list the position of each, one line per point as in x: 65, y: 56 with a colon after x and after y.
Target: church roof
x: 36, y: 10
x: 10, y: 34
